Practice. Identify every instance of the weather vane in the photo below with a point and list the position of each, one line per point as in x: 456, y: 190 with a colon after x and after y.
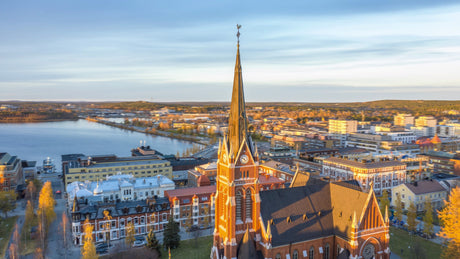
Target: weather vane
x: 238, y: 33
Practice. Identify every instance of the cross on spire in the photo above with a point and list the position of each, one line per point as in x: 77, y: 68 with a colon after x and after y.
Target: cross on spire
x: 238, y: 33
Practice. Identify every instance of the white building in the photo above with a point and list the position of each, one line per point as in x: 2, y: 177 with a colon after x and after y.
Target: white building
x: 423, y: 131
x: 121, y: 187
x: 343, y: 126
x: 383, y: 174
x: 405, y: 137
x: 445, y: 131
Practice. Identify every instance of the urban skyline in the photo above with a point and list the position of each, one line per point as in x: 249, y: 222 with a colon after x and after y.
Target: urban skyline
x: 300, y: 52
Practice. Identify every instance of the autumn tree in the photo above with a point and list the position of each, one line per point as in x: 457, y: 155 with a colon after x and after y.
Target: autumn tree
x: 171, y: 237
x: 411, y: 217
x: 64, y: 228
x: 398, y: 208
x: 450, y: 229
x: 14, y: 246
x: 46, y: 204
x: 384, y: 202
x: 31, y: 191
x: 7, y: 201
x: 153, y: 243
x: 428, y: 218
x: 107, y: 224
x: 129, y: 240
x: 88, y: 251
x: 29, y: 216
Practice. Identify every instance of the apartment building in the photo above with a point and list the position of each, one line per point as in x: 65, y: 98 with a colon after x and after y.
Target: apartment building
x: 383, y: 174
x: 419, y: 192
x: 144, y: 214
x: 93, y: 168
x: 11, y: 172
x: 404, y: 120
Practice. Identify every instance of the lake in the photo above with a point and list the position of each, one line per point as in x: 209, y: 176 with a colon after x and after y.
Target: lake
x: 37, y: 141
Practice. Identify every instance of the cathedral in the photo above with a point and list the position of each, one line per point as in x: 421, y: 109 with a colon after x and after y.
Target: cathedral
x: 310, y: 219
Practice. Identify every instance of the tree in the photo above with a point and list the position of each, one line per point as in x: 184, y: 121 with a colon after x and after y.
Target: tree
x: 153, y: 243
x: 107, y: 225
x: 450, y: 229
x: 411, y: 217
x: 29, y: 216
x: 129, y: 240
x: 31, y: 191
x: 64, y: 228
x: 46, y: 204
x: 384, y: 202
x: 428, y: 218
x: 171, y: 237
x: 88, y: 251
x: 7, y: 201
x: 14, y: 246
x: 398, y: 207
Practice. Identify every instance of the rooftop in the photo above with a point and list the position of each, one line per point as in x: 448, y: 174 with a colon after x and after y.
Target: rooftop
x: 422, y: 187
x: 191, y: 191
x: 364, y: 165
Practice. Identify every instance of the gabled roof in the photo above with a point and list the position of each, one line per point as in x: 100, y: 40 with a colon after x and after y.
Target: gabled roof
x: 247, y: 249
x: 422, y: 187
x: 312, y: 211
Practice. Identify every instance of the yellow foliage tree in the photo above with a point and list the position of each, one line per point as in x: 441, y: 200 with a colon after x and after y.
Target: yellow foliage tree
x: 129, y: 240
x: 450, y: 229
x: 88, y: 251
x: 46, y: 204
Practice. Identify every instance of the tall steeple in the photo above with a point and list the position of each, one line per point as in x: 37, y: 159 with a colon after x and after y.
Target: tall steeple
x: 237, y: 124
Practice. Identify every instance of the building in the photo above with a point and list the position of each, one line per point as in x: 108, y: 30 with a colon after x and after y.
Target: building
x: 404, y: 120
x: 144, y: 214
x: 423, y: 131
x: 279, y: 170
x: 322, y: 220
x: 343, y: 126
x: 29, y: 169
x: 384, y: 175
x: 426, y: 121
x: 93, y: 168
x: 193, y: 206
x: 121, y: 187
x: 445, y: 131
x: 418, y: 192
x: 380, y: 145
x: 443, y: 162
x: 11, y: 172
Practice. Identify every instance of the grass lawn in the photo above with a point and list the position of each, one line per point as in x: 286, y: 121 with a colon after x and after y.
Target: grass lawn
x: 400, y: 239
x: 6, y: 228
x: 189, y: 249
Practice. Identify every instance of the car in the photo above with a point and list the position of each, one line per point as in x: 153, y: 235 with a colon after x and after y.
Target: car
x: 58, y: 192
x: 138, y: 243
x: 102, y: 250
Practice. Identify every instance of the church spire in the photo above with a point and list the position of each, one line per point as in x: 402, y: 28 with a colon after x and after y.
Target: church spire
x: 237, y: 124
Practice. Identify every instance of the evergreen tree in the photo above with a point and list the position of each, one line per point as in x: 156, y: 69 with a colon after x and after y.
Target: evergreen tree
x: 7, y: 201
x: 411, y: 217
x: 153, y: 243
x: 428, y: 218
x: 450, y: 229
x: 171, y: 237
x: 398, y: 207
x: 384, y: 202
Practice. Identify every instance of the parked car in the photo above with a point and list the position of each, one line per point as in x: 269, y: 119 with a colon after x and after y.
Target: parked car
x: 139, y: 243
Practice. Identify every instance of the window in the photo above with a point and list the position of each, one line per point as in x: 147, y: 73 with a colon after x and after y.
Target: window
x: 326, y: 252
x: 248, y: 204
x: 278, y: 256
x: 239, y: 197
x: 311, y: 254
x: 295, y: 255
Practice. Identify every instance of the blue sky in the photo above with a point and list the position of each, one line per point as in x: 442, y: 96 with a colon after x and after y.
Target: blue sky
x: 302, y: 51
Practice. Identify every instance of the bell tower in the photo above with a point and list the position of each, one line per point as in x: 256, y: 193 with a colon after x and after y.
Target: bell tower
x: 237, y: 201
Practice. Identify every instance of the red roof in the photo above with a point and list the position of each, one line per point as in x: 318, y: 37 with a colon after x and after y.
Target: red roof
x: 436, y: 140
x: 191, y: 191
x: 263, y: 179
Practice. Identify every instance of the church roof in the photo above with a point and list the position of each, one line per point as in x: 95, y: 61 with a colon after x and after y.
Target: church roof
x: 312, y: 211
x: 300, y: 179
x: 247, y: 249
x: 238, y: 122
x: 436, y: 140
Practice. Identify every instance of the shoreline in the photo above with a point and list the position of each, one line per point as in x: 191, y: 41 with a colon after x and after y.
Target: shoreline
x: 38, y: 121
x: 146, y: 131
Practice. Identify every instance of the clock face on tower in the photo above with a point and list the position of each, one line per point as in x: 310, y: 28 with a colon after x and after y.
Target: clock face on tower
x: 368, y: 251
x: 244, y: 159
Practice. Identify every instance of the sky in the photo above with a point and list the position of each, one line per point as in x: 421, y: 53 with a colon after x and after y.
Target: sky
x: 182, y: 50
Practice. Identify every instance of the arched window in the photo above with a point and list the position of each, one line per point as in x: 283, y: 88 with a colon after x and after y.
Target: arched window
x: 326, y: 252
x: 311, y: 253
x: 295, y: 255
x: 248, y: 204
x: 239, y: 198
x: 278, y: 256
